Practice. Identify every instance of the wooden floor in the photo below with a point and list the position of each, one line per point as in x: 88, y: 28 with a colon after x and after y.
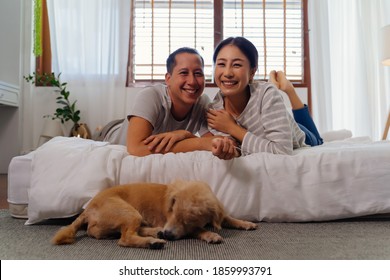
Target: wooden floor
x: 3, y: 191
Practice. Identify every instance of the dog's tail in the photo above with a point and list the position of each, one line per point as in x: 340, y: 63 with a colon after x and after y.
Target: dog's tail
x: 66, y: 235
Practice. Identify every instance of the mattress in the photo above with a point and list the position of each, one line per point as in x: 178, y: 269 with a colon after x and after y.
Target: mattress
x: 339, y: 179
x: 73, y: 157
x: 19, y: 178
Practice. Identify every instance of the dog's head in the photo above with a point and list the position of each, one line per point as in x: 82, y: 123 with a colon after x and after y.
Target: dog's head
x: 191, y: 206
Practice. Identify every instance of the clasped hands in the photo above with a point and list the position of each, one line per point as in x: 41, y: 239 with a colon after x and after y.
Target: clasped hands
x: 224, y: 147
x: 220, y: 146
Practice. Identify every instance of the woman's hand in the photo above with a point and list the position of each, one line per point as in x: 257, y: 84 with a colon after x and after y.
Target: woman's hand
x: 164, y: 142
x: 220, y: 120
x: 224, y: 148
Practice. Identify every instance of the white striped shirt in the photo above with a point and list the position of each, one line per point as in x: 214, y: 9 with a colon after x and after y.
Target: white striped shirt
x: 270, y: 127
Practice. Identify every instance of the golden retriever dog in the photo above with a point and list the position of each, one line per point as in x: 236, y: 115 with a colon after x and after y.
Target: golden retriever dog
x: 145, y: 214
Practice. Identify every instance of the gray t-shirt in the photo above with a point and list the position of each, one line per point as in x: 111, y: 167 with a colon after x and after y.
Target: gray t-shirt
x: 154, y: 105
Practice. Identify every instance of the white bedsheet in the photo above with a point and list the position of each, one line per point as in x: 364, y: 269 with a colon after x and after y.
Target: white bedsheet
x: 336, y: 180
x: 67, y: 172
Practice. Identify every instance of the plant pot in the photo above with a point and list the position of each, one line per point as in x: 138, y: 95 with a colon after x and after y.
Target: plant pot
x: 80, y: 130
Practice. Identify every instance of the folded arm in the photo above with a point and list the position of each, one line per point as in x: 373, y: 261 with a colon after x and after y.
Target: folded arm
x: 141, y: 142
x: 268, y: 130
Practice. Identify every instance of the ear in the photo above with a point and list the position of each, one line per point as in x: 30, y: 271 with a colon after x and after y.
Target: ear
x: 252, y: 74
x: 171, y: 203
x: 167, y: 78
x: 173, y: 188
x: 170, y: 197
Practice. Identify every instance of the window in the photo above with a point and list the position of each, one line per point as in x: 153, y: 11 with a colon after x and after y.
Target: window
x: 278, y: 28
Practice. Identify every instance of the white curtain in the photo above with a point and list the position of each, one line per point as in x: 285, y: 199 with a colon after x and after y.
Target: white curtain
x: 350, y: 85
x: 89, y: 41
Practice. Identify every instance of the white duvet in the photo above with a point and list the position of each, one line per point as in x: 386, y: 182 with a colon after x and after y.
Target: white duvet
x: 67, y: 172
x: 339, y: 179
x: 332, y: 181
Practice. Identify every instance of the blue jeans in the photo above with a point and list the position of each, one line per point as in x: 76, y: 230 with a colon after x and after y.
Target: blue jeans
x: 305, y: 122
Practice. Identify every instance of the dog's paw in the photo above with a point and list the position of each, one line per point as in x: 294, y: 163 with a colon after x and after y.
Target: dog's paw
x: 248, y: 225
x: 230, y: 222
x: 158, y: 244
x: 211, y: 237
x: 150, y: 231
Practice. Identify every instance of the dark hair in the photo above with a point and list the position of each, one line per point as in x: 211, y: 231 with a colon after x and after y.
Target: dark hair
x: 245, y: 46
x: 171, y: 60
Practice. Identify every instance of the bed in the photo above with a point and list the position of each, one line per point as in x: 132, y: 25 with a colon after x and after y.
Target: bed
x: 339, y: 179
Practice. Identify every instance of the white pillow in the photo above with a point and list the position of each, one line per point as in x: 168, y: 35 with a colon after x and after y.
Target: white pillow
x: 334, y: 135
x: 67, y: 172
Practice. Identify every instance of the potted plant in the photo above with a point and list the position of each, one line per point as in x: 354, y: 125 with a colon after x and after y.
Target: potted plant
x: 67, y: 111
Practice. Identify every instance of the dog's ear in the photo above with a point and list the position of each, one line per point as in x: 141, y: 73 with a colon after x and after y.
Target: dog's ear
x: 171, y: 203
x: 172, y: 190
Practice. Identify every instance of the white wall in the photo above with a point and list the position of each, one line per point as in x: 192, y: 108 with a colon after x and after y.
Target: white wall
x: 10, y: 24
x: 10, y: 54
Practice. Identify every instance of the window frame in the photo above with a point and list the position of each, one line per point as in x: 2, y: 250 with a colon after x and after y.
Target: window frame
x: 218, y: 36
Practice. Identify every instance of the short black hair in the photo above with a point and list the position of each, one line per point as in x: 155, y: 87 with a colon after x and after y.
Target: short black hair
x: 171, y: 60
x: 245, y: 46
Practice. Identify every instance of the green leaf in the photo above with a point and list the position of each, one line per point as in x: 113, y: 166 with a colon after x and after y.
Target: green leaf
x: 62, y: 102
x: 68, y: 110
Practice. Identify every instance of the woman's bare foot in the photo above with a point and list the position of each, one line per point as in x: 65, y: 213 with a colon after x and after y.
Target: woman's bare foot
x: 281, y: 82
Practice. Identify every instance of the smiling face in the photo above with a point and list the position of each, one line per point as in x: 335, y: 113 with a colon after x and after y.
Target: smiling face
x: 232, y: 71
x: 186, y: 82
